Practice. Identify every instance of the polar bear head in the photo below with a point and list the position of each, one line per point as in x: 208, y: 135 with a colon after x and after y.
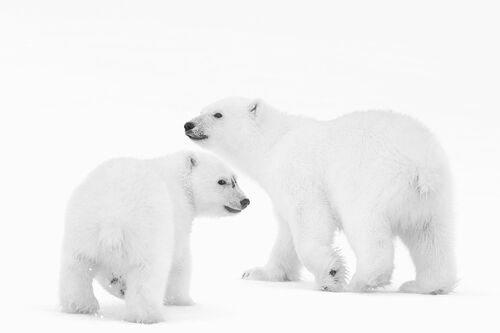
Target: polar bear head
x: 214, y: 188
x: 233, y: 126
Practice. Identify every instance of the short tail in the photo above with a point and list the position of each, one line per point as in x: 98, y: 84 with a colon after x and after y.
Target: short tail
x: 424, y: 181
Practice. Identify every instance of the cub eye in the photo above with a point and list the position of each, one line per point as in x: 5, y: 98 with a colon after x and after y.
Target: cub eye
x: 218, y: 115
x: 221, y: 182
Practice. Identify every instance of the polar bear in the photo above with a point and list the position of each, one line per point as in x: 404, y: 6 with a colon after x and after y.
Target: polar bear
x: 374, y: 175
x: 132, y: 218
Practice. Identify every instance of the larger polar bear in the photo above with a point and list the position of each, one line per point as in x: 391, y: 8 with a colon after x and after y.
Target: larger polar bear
x: 374, y: 175
x: 131, y: 219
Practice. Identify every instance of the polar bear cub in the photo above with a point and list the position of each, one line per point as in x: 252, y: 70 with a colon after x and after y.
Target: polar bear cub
x: 132, y: 218
x: 374, y: 175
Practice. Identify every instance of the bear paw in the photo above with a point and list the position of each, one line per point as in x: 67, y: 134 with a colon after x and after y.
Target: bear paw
x: 178, y: 300
x: 334, y: 278
x: 358, y: 284
x: 267, y: 274
x: 414, y: 288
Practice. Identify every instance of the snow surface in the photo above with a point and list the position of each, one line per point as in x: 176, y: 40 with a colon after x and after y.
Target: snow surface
x: 81, y: 82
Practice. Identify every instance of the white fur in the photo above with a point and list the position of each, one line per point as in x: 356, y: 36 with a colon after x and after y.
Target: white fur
x: 374, y: 175
x: 128, y: 225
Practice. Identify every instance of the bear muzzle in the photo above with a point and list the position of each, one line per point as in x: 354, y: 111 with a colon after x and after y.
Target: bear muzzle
x: 244, y: 204
x: 192, y: 133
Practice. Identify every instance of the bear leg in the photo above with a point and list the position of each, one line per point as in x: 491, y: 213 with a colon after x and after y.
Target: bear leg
x: 313, y: 230
x: 431, y: 249
x: 283, y: 263
x: 372, y: 241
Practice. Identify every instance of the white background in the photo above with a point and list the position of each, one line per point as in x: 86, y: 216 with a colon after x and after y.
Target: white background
x: 83, y: 81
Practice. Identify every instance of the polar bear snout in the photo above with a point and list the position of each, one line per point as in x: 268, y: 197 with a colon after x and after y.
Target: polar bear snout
x: 244, y: 203
x: 192, y: 132
x: 189, y: 126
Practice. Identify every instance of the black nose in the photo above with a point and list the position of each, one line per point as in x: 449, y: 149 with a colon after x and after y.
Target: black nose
x: 189, y: 126
x: 244, y: 203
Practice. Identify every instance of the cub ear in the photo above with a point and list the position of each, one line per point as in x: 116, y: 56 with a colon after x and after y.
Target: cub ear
x: 255, y: 107
x: 192, y: 162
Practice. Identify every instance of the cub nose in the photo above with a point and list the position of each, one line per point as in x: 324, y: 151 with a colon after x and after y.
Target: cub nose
x: 189, y: 126
x: 244, y: 203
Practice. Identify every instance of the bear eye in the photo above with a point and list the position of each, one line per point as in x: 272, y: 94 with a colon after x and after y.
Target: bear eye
x: 221, y: 182
x: 218, y: 115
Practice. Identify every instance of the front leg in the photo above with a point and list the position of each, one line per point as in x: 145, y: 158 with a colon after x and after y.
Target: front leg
x: 145, y: 286
x: 283, y: 263
x: 179, y: 281
x: 313, y: 230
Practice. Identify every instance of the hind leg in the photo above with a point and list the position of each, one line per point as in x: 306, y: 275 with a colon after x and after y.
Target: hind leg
x: 371, y: 239
x: 75, y: 286
x: 431, y: 249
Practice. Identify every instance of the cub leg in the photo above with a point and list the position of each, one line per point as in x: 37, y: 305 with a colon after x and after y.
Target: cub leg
x: 75, y: 286
x: 179, y: 280
x: 145, y: 289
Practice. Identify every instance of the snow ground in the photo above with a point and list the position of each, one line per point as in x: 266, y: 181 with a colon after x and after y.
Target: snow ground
x: 257, y: 306
x: 224, y: 303
x: 81, y: 82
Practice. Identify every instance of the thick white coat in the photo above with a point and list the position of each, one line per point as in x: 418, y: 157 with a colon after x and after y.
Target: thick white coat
x: 375, y: 175
x: 128, y: 225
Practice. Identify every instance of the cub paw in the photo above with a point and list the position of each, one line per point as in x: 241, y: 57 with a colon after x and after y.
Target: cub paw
x: 117, y: 286
x: 152, y: 316
x: 83, y: 306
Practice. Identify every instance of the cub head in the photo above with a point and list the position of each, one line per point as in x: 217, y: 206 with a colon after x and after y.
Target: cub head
x: 230, y: 126
x: 215, y: 190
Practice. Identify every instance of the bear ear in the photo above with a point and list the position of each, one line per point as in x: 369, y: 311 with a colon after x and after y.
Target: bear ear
x: 255, y: 107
